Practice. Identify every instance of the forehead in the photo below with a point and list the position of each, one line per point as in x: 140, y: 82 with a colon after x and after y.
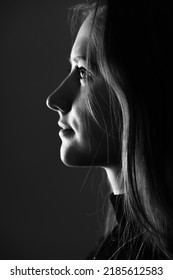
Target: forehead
x: 80, y: 45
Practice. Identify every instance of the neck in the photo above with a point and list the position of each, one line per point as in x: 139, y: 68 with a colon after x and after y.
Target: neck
x: 112, y: 175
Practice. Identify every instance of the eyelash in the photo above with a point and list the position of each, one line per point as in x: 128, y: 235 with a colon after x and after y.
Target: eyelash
x: 82, y: 71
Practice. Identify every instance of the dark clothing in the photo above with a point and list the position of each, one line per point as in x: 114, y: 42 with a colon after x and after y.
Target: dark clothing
x: 110, y: 248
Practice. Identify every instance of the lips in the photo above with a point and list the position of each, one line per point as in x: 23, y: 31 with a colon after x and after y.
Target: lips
x: 66, y: 130
x: 66, y: 133
x: 64, y: 125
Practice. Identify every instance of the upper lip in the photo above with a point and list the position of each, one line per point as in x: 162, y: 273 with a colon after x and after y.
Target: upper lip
x: 64, y: 125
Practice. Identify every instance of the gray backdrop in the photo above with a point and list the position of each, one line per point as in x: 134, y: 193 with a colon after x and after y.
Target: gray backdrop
x: 43, y: 212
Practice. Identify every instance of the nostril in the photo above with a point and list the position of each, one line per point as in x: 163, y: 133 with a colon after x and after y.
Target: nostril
x: 58, y: 103
x: 60, y: 99
x: 47, y: 103
x: 50, y: 104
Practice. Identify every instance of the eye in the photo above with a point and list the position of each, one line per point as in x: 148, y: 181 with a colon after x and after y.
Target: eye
x: 84, y: 74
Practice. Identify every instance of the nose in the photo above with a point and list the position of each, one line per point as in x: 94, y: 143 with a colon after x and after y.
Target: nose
x: 61, y: 98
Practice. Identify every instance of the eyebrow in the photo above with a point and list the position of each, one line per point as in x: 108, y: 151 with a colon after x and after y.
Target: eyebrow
x: 78, y: 58
x: 83, y: 58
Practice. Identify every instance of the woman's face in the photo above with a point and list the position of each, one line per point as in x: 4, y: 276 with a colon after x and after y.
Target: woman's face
x: 84, y: 142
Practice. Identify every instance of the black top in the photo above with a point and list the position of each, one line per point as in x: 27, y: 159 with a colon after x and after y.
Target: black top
x: 110, y: 248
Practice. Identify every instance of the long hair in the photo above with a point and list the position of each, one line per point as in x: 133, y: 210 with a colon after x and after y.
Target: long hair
x: 131, y: 44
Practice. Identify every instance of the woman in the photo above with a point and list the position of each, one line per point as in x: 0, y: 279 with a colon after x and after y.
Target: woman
x: 115, y: 112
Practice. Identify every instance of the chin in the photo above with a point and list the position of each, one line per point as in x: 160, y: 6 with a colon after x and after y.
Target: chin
x: 72, y: 157
x: 80, y: 155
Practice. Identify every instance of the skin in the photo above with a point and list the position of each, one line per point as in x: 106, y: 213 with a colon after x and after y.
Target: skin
x: 85, y: 142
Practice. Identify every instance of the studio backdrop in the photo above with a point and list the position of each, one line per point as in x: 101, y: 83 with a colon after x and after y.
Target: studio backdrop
x: 47, y: 210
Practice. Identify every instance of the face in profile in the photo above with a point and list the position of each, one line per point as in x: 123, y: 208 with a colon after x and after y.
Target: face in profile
x: 85, y: 142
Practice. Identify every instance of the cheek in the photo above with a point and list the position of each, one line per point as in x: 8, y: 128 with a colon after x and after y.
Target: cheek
x: 104, y: 121
x: 89, y: 119
x: 100, y: 106
x: 92, y: 144
x: 98, y: 133
x: 76, y: 150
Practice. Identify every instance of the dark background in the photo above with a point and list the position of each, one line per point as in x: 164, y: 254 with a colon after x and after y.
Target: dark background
x: 45, y: 213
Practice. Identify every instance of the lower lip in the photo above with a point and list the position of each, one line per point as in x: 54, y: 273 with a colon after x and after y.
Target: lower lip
x: 66, y: 133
